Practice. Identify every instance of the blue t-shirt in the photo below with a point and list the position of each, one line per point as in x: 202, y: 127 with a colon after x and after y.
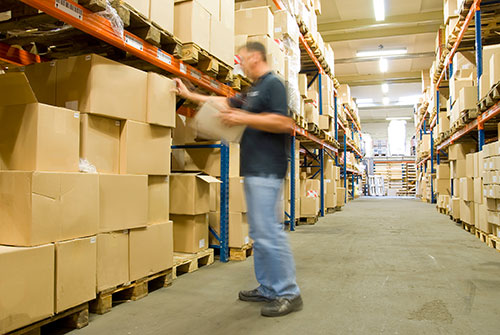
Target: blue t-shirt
x: 263, y: 153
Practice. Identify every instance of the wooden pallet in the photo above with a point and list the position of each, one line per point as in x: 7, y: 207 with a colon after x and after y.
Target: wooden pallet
x: 491, y: 98
x: 309, y: 221
x: 207, y: 63
x: 73, y: 318
x: 468, y: 227
x: 444, y: 211
x: 140, y: 25
x: 240, y: 83
x: 313, y: 128
x: 494, y: 242
x: 136, y: 290
x: 331, y: 210
x: 187, y: 263
x: 240, y: 254
x: 484, y: 237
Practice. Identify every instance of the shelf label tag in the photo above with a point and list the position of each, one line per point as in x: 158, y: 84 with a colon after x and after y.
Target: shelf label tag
x: 69, y: 8
x: 133, y: 42
x: 183, y: 68
x: 164, y: 57
x: 214, y: 84
x: 195, y: 74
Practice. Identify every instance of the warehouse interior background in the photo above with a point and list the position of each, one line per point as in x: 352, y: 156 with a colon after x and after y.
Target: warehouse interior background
x: 123, y: 203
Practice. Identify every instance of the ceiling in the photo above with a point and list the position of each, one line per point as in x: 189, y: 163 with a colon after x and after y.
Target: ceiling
x: 408, y: 24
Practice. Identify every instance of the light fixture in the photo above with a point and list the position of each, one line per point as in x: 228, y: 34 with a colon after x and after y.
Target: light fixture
x: 384, y: 65
x: 364, y: 101
x: 398, y: 118
x: 385, y: 88
x: 386, y: 100
x: 409, y: 100
x: 381, y: 52
x: 379, y: 8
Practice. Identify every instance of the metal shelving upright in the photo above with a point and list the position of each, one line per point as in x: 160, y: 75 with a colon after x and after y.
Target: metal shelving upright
x: 473, y: 12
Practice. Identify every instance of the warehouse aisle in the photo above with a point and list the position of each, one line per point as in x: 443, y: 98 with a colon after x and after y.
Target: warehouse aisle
x: 380, y: 266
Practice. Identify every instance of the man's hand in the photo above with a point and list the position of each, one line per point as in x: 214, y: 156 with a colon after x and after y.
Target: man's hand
x: 234, y: 117
x: 181, y: 89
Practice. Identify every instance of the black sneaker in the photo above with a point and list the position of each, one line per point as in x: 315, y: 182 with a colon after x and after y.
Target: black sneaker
x: 253, y: 295
x: 282, y: 306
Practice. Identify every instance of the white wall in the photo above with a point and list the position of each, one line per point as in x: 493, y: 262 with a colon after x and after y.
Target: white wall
x: 378, y: 130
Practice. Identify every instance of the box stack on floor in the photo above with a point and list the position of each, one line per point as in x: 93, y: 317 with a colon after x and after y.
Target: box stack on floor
x: 86, y: 232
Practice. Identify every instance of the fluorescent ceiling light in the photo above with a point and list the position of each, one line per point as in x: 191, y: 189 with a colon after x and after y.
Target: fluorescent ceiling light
x: 379, y: 7
x: 366, y: 105
x: 386, y: 100
x: 381, y: 52
x: 364, y: 101
x: 384, y: 65
x: 398, y: 118
x: 385, y: 88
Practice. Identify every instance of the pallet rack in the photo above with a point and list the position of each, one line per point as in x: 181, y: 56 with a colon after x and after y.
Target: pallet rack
x: 426, y: 126
x: 100, y: 28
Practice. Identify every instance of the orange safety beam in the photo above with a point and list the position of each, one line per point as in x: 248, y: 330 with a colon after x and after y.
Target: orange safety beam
x: 17, y: 56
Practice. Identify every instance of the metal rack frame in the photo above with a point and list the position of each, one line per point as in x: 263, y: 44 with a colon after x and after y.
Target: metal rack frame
x: 474, y: 11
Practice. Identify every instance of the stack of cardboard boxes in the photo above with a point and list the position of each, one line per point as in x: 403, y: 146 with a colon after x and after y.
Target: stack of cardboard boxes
x: 207, y: 23
x: 489, y: 211
x: 491, y: 69
x: 463, y: 184
x: 82, y: 233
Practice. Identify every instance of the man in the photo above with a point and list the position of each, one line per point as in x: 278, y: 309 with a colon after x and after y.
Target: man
x: 263, y: 164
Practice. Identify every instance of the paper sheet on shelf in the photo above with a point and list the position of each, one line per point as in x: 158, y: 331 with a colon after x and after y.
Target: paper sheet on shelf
x: 209, y: 125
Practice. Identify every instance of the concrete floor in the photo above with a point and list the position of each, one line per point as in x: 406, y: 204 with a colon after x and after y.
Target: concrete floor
x: 381, y: 266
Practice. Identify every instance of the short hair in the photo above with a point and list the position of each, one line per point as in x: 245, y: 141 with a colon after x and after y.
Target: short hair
x: 257, y: 47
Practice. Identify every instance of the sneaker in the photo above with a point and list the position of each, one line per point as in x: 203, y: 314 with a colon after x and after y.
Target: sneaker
x: 282, y: 306
x: 253, y: 295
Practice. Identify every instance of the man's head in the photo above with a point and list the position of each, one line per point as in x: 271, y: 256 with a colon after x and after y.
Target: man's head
x: 253, y: 59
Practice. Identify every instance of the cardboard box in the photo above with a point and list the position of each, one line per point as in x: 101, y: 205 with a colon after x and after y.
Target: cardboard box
x: 254, y: 21
x: 493, y: 204
x: 443, y: 171
x: 76, y: 264
x: 460, y: 150
x: 330, y: 186
x: 285, y: 26
x: 443, y: 186
x: 450, y: 10
x: 145, y: 149
x: 221, y: 40
x: 42, y: 78
x: 311, y: 113
x: 42, y: 207
x: 324, y: 122
x: 34, y: 136
x: 483, y: 219
x: 142, y: 6
x: 467, y: 189
x: 162, y: 13
x: 227, y: 13
x: 477, y: 165
x: 237, y: 201
x: 485, y: 83
x: 303, y: 84
x: 467, y: 98
x: 27, y: 285
x: 190, y: 232
x: 309, y: 185
x: 309, y: 206
x: 158, y: 199
x: 478, y: 190
x: 458, y: 168
x: 206, y: 160
x: 493, y: 218
x: 150, y: 250
x: 161, y: 100
x: 123, y: 202
x: 469, y: 164
x: 85, y: 84
x: 190, y: 193
x: 344, y: 94
x: 494, y: 69
x: 330, y: 200
x: 112, y: 259
x: 341, y: 196
x: 238, y: 229
x: 100, y: 142
x: 455, y: 207
x: 209, y: 125
x: 467, y: 212
x: 192, y: 23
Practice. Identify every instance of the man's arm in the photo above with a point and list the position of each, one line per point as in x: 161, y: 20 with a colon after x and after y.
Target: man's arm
x: 268, y: 122
x: 184, y: 92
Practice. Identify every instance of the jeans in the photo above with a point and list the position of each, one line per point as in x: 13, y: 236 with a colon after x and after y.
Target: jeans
x: 273, y: 260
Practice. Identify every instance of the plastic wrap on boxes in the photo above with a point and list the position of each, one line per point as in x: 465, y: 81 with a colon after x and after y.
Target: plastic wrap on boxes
x: 114, y: 19
x: 292, y: 88
x: 85, y: 166
x: 292, y: 6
